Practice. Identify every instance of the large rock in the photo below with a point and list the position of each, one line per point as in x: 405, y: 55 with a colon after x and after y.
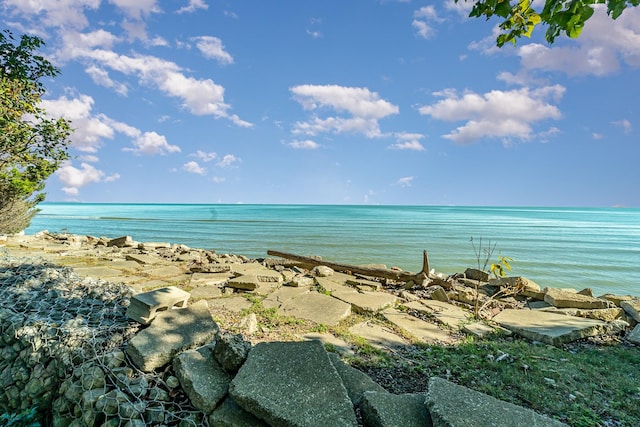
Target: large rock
x: 231, y: 350
x: 524, y: 286
x: 365, y: 302
x: 316, y: 307
x: 451, y: 405
x: 394, y: 410
x: 170, y: 333
x: 202, y: 378
x: 553, y: 328
x: 292, y: 384
x: 355, y: 381
x: 632, y: 307
x: 229, y: 414
x: 417, y: 328
x: 560, y: 298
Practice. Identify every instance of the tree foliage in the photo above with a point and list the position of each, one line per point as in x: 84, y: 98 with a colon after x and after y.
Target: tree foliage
x: 561, y: 16
x: 32, y: 145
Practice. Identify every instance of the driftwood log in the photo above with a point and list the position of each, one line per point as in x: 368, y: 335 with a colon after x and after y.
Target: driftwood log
x: 386, y: 273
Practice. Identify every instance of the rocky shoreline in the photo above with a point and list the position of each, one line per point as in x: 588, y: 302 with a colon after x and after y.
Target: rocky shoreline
x: 131, y: 298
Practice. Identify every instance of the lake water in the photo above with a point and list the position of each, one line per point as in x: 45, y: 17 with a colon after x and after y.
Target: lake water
x: 557, y: 247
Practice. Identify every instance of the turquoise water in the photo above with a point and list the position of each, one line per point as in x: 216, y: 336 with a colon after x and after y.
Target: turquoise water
x: 558, y: 247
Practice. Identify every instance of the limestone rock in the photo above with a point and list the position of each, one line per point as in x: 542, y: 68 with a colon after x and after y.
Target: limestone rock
x: 634, y: 335
x: 231, y: 351
x: 525, y: 286
x: 202, y: 378
x: 246, y: 282
x: 560, y: 298
x: 356, y: 382
x: 476, y: 274
x: 382, y: 409
x: 553, y: 328
x: 632, y: 307
x: 229, y: 414
x: 451, y: 405
x: 171, y: 332
x: 323, y: 271
x: 292, y: 384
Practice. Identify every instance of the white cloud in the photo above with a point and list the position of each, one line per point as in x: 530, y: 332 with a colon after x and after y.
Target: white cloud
x: 194, y: 167
x: 204, y: 156
x: 624, y: 124
x: 89, y: 158
x: 422, y: 19
x: 61, y: 13
x: 600, y: 49
x: 151, y: 143
x: 496, y: 114
x: 365, y: 107
x: 101, y: 78
x: 307, y: 144
x: 408, y: 141
x: 406, y: 181
x: 74, y: 178
x: 211, y: 47
x: 193, y: 6
x: 198, y: 96
x: 218, y: 179
x: 136, y: 9
x: 228, y: 161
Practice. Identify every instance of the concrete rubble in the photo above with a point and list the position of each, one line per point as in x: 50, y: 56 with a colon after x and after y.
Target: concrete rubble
x: 175, y: 289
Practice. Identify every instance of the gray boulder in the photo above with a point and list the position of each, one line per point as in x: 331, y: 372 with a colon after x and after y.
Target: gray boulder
x: 202, y: 378
x: 231, y: 351
x: 356, y: 382
x: 292, y: 384
x: 451, y: 405
x: 394, y: 410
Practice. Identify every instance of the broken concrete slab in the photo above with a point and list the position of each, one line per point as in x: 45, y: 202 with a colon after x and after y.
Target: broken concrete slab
x: 206, y: 292
x: 364, y: 285
x: 209, y: 279
x: 632, y: 307
x: 382, y: 409
x: 231, y: 350
x: 551, y: 327
x: 247, y: 282
x: 525, y: 286
x: 261, y: 272
x: 143, y: 307
x: 234, y: 304
x: 355, y: 381
x: 168, y: 271
x: 328, y: 339
x: 317, y: 307
x: 330, y: 285
x: 229, y: 414
x: 560, y: 298
x: 452, y: 405
x: 417, y: 328
x: 281, y: 295
x: 634, y: 335
x: 365, y: 302
x: 98, y: 272
x: 202, y: 378
x: 445, y: 313
x: 145, y: 259
x: 478, y: 329
x: 172, y: 332
x: 378, y: 336
x: 292, y: 384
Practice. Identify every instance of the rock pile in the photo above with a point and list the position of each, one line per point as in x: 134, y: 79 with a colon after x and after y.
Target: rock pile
x: 98, y: 352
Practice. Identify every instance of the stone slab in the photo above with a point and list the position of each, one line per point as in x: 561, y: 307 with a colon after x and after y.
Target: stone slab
x: 261, y: 272
x: 202, y: 378
x: 478, y: 329
x: 168, y: 271
x: 145, y: 259
x: 549, y: 327
x: 357, y: 382
x: 247, y: 282
x: 328, y: 339
x: 170, y: 333
x: 632, y: 307
x: 292, y: 384
x: 417, y: 328
x: 233, y: 304
x: 229, y: 414
x: 365, y: 302
x: 634, y: 335
x: 209, y: 279
x: 378, y: 336
x: 560, y: 298
x: 282, y: 295
x: 445, y: 313
x: 451, y: 405
x: 330, y: 285
x: 206, y: 292
x: 317, y: 307
x: 97, y: 272
x: 144, y: 306
x: 382, y: 409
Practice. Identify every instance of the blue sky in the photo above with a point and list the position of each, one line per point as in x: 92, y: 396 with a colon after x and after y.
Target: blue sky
x: 360, y: 102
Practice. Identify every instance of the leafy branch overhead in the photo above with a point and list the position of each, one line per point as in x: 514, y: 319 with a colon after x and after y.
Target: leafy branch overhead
x: 561, y: 16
